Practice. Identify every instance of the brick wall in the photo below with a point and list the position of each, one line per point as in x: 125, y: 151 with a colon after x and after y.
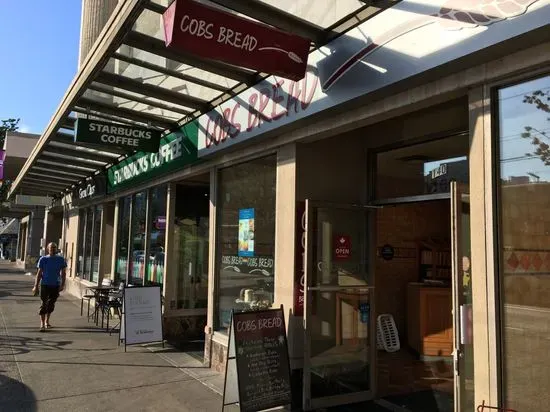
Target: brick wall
x: 401, y: 226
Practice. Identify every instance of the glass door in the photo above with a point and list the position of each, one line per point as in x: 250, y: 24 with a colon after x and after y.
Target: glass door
x: 462, y: 298
x: 338, y: 316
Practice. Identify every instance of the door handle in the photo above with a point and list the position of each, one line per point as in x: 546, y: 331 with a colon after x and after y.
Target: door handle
x: 337, y: 288
x: 458, y: 355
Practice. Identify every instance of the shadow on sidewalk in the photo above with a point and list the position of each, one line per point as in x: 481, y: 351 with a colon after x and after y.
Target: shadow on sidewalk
x: 15, y: 396
x: 17, y: 345
x: 56, y: 362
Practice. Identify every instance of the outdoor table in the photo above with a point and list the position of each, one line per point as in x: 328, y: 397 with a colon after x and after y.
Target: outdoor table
x: 101, y: 293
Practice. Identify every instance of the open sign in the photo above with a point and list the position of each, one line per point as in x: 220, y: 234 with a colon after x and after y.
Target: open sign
x: 342, y: 247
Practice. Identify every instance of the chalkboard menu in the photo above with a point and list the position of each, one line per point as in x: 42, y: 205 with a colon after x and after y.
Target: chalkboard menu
x: 261, y: 356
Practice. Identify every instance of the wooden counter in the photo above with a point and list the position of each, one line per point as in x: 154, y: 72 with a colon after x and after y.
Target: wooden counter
x: 429, y: 319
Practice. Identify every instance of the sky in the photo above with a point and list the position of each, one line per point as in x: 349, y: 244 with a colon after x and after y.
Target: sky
x: 39, y: 45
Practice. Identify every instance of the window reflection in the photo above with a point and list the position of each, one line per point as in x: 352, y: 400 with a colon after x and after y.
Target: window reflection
x: 122, y: 238
x: 246, y: 237
x: 422, y: 169
x: 190, y: 251
x: 137, y: 239
x: 157, y: 237
x: 89, y: 232
x: 524, y: 272
x: 96, y: 235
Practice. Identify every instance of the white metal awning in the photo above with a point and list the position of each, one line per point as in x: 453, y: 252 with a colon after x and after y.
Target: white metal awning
x: 130, y: 77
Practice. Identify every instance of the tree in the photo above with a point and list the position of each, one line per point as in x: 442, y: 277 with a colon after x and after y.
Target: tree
x: 8, y: 125
x: 539, y: 138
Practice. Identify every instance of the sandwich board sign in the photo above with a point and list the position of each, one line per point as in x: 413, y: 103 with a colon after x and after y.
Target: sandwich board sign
x: 257, y: 373
x: 141, y: 316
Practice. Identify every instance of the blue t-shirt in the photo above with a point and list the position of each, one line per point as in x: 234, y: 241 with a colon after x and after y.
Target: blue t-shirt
x: 51, y: 269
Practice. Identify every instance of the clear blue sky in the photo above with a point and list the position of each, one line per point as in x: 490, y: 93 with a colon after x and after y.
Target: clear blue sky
x: 39, y: 45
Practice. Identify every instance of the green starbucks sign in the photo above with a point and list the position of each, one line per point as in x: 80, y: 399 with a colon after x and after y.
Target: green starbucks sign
x: 117, y: 135
x: 176, y: 150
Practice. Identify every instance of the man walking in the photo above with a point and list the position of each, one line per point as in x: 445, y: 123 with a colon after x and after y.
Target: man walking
x: 51, y: 278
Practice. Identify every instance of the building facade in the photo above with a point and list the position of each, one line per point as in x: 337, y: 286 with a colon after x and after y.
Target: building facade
x: 398, y: 188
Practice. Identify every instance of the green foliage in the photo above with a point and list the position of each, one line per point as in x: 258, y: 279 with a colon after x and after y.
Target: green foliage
x: 8, y: 125
x: 539, y: 138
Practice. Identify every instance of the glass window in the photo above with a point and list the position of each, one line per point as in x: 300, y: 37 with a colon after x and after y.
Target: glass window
x: 122, y: 238
x: 89, y: 232
x: 246, y: 237
x: 524, y: 243
x: 88, y: 244
x: 422, y: 169
x: 157, y: 236
x: 80, y: 248
x: 95, y: 246
x: 137, y: 239
x: 190, y: 251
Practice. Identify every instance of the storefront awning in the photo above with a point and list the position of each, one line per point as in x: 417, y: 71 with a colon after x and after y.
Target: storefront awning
x: 130, y: 77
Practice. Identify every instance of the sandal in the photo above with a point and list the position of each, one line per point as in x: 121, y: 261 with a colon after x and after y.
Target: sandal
x: 42, y: 328
x: 48, y: 326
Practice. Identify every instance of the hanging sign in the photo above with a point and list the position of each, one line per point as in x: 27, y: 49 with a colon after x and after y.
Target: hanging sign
x: 342, y: 247
x: 258, y: 369
x: 117, y: 135
x: 209, y: 32
x: 141, y: 317
x: 92, y: 188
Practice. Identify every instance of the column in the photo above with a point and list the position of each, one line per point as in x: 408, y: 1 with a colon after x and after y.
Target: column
x: 114, y: 246
x: 285, y: 233
x: 35, y: 232
x: 169, y: 281
x: 106, y: 242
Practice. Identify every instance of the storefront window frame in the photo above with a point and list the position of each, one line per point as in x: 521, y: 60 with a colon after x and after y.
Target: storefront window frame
x: 497, y: 301
x: 85, y: 224
x: 148, y: 210
x: 214, y: 309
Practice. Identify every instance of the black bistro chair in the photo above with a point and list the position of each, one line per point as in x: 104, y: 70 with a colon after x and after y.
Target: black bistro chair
x: 113, y: 301
x: 88, y: 295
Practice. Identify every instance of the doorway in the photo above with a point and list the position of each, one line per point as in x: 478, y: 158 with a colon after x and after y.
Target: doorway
x: 422, y: 274
x: 407, y: 262
x: 414, y: 287
x: 404, y: 257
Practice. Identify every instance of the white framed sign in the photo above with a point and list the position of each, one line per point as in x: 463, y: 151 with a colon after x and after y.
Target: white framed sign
x: 142, y: 315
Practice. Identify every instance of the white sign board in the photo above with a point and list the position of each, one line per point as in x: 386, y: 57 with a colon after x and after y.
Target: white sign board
x: 28, y: 200
x: 142, y: 320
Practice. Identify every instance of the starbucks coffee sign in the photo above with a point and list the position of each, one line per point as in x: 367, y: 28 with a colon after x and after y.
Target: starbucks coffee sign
x: 117, y: 135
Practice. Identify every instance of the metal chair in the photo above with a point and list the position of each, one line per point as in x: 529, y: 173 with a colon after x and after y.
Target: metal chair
x: 88, y: 297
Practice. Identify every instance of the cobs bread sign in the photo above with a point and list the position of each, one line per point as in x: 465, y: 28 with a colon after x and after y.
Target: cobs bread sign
x: 118, y: 135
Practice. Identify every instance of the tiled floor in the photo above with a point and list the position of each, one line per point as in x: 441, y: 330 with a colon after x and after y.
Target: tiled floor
x: 402, y: 372
x: 425, y: 385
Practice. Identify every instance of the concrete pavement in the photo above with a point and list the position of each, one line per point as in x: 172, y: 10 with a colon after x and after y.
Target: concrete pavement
x: 76, y: 366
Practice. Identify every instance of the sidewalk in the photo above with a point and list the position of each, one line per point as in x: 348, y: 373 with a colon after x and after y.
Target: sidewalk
x: 76, y: 366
